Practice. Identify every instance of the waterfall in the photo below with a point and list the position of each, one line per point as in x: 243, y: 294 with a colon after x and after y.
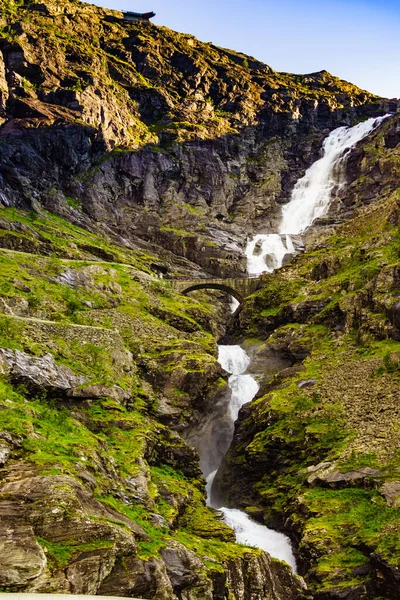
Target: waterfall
x: 243, y: 389
x: 265, y: 253
x: 311, y: 197
x: 313, y: 193
x: 251, y: 533
x: 310, y: 200
x: 243, y: 386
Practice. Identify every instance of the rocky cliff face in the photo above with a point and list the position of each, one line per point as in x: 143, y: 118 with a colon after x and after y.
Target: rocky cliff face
x: 158, y: 136
x: 317, y: 453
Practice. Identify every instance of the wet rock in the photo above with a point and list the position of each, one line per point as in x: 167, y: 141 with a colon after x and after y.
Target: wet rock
x: 258, y: 248
x: 287, y: 259
x: 271, y: 261
x: 395, y: 314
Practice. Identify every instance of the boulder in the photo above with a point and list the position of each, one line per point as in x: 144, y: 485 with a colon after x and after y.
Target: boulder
x: 327, y: 474
x: 288, y: 257
x: 391, y: 492
x: 271, y: 261
x: 38, y: 373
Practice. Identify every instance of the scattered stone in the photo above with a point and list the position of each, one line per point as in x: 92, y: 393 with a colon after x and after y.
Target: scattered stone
x: 306, y: 383
x: 391, y: 493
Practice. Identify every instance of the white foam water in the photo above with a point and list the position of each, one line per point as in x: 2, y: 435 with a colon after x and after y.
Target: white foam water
x: 234, y: 305
x: 243, y: 386
x: 250, y: 533
x: 265, y: 253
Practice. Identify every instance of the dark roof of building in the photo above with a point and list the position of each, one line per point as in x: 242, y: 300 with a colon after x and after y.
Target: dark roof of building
x: 148, y: 15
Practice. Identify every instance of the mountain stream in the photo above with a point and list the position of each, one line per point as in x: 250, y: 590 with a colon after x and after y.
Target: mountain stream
x: 311, y: 198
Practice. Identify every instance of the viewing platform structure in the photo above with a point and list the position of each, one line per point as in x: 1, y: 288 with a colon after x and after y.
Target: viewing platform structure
x: 138, y: 17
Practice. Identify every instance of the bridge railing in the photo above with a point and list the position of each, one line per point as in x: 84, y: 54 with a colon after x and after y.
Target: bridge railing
x: 200, y: 279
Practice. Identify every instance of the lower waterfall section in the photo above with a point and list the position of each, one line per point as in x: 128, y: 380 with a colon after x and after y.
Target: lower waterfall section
x: 243, y: 389
x: 254, y: 534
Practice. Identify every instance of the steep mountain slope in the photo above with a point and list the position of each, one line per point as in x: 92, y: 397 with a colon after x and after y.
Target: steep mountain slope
x: 127, y: 151
x: 101, y: 364
x: 158, y: 136
x: 318, y: 452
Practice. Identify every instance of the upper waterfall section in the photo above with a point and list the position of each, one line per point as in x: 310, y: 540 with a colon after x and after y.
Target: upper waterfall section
x: 313, y: 193
x: 311, y: 198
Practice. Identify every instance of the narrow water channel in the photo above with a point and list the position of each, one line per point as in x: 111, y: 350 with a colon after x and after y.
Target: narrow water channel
x: 310, y: 200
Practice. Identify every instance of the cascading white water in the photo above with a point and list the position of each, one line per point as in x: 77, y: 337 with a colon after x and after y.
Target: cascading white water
x: 310, y: 200
x: 313, y: 193
x: 234, y: 305
x: 265, y: 253
x: 253, y: 534
x: 244, y: 387
x: 311, y: 197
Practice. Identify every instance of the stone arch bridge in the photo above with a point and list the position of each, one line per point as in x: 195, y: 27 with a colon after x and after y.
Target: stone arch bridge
x: 238, y: 287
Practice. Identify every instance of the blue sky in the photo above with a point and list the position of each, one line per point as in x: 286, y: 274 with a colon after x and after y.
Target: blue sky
x: 357, y: 40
